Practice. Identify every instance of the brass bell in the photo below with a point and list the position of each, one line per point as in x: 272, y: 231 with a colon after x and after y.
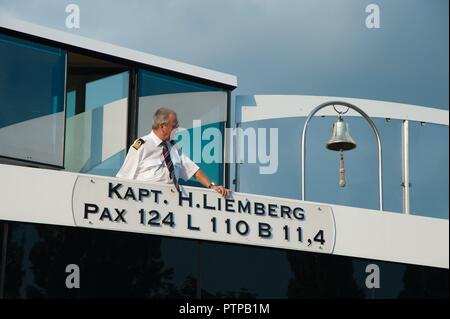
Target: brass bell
x: 341, y: 141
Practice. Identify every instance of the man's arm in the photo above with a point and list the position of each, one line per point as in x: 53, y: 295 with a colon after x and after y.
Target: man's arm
x: 130, y: 165
x: 191, y: 169
x: 204, y: 180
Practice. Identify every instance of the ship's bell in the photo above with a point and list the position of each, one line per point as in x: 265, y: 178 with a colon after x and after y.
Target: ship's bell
x: 340, y: 139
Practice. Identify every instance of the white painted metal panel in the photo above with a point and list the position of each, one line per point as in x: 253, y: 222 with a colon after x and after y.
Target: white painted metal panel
x: 36, y: 195
x: 45, y: 196
x: 117, y: 51
x: 283, y: 106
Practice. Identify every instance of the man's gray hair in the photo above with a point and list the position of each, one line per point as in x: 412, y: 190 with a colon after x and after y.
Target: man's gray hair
x: 161, y: 116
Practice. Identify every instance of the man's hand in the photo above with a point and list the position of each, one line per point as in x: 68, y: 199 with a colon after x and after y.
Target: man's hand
x: 221, y: 190
x: 205, y: 181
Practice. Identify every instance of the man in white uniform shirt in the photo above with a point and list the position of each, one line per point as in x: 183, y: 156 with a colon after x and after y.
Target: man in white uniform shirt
x: 155, y: 158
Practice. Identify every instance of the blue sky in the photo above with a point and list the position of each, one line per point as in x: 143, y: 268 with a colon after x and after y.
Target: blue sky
x: 298, y: 47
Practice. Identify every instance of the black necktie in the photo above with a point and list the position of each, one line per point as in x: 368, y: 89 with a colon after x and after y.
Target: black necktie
x: 169, y: 164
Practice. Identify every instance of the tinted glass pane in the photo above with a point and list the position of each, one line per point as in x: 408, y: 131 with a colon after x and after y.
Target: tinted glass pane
x: 96, y: 127
x: 201, y: 111
x: 126, y: 265
x: 3, y: 233
x: 254, y: 272
x: 111, y: 264
x: 32, y: 101
x: 429, y: 170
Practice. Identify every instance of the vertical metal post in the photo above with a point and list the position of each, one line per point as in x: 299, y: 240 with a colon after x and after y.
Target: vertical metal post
x: 133, y: 100
x: 63, y: 155
x: 237, y: 155
x: 405, y: 166
x: 227, y: 143
x: 3, y: 264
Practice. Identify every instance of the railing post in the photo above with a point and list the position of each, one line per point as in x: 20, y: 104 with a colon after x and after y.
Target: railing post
x: 405, y: 166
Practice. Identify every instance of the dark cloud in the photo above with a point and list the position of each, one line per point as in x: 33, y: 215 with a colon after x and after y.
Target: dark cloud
x: 284, y: 47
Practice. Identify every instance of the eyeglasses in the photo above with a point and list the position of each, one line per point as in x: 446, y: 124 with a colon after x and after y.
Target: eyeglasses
x: 176, y: 125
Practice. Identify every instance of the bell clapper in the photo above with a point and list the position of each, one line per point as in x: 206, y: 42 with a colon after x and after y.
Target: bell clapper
x: 342, y: 182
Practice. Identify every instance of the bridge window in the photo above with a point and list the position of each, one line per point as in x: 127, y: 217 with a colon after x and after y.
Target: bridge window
x: 201, y: 113
x: 96, y: 117
x: 31, y: 101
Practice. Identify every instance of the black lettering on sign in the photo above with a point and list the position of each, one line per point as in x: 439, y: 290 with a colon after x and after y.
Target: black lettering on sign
x: 264, y: 230
x: 120, y: 215
x: 142, y: 212
x: 169, y: 220
x: 154, y: 221
x: 129, y: 193
x: 242, y: 208
x: 205, y: 203
x: 298, y: 213
x: 319, y: 237
x: 286, y: 210
x: 242, y: 228
x: 90, y: 209
x: 300, y: 234
x: 114, y: 190
x: 190, y: 227
x: 228, y: 222
x: 259, y: 209
x: 139, y: 195
x: 106, y: 214
x: 156, y: 194
x: 286, y: 232
x: 229, y: 205
x: 143, y: 193
x: 273, y: 210
x: 155, y: 217
x: 182, y: 199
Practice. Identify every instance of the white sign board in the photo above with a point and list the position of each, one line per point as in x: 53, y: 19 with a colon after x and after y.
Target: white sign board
x: 202, y: 214
x: 61, y: 198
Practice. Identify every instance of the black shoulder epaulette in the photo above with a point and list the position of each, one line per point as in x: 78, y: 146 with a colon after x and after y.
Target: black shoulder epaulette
x: 138, y: 143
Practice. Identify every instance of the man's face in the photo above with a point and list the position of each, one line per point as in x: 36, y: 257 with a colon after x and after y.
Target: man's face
x: 169, y: 128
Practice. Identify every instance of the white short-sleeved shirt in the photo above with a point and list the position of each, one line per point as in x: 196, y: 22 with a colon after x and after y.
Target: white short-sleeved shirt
x: 145, y: 162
